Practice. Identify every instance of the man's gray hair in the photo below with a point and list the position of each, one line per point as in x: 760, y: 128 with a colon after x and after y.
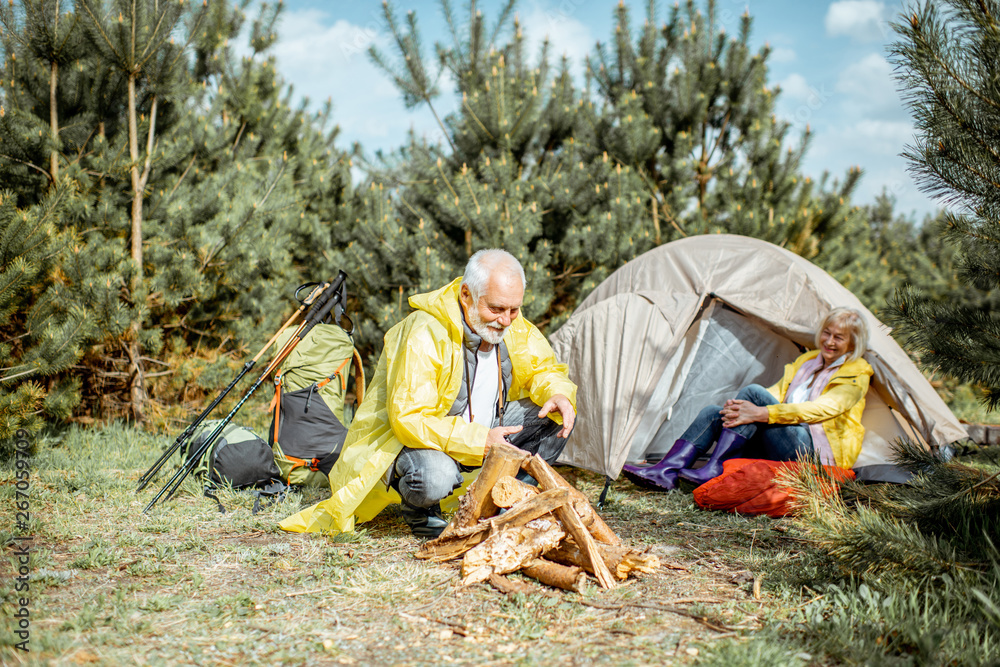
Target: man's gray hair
x: 483, y: 263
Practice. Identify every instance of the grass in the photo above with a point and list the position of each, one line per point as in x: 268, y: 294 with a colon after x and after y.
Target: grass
x: 188, y: 585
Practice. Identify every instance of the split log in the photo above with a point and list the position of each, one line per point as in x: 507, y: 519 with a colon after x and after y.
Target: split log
x: 509, y: 549
x: 509, y: 586
x: 568, y: 578
x: 508, y: 491
x: 477, y: 502
x: 586, y: 513
x: 446, y: 547
x: 548, y: 479
x: 622, y: 561
x: 595, y: 524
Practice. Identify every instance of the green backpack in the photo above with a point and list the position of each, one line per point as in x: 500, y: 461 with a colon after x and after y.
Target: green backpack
x: 239, y: 458
x: 308, y: 424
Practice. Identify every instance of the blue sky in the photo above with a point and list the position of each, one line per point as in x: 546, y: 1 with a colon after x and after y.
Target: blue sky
x: 829, y: 56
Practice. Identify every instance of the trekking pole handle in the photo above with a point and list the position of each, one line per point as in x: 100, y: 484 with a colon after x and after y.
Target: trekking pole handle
x: 317, y: 289
x: 328, y: 306
x: 319, y: 305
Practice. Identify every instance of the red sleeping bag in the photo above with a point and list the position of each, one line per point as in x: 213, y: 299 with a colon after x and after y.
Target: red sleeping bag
x: 748, y: 486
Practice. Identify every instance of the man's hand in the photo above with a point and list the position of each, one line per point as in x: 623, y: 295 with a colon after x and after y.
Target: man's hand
x: 737, y: 413
x: 498, y: 435
x: 565, y: 408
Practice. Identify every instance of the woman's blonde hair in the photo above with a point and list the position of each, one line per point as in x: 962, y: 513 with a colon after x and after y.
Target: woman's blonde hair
x: 856, y: 325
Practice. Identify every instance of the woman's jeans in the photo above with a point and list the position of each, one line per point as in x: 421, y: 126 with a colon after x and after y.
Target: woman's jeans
x: 774, y: 442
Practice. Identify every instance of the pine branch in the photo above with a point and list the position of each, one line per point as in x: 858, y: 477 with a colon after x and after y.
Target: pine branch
x: 254, y: 208
x: 144, y: 178
x: 505, y: 15
x: 47, y: 175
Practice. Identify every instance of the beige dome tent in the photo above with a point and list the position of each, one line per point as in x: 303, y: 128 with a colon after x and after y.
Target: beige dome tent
x: 687, y: 324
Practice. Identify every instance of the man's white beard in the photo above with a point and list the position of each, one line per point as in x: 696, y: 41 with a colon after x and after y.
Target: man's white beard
x: 492, y: 333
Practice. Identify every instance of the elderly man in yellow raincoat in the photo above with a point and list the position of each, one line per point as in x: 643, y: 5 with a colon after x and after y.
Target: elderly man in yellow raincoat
x: 461, y: 373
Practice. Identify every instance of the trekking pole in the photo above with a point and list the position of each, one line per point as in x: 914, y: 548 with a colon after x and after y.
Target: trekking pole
x: 321, y: 307
x: 150, y: 474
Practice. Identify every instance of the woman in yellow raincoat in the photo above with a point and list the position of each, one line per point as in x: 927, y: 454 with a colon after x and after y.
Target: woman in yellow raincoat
x: 814, y: 411
x: 411, y: 400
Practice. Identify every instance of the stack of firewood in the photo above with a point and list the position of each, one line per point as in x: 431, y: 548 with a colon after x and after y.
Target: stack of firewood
x: 550, y: 532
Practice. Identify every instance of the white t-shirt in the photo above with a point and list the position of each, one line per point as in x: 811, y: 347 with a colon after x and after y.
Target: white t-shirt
x: 485, y: 387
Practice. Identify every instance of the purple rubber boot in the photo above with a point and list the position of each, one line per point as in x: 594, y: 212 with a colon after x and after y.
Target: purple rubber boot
x: 729, y: 445
x: 662, y: 476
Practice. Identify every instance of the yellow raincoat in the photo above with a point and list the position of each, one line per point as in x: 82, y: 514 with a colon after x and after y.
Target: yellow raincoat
x: 407, y: 403
x: 838, y: 408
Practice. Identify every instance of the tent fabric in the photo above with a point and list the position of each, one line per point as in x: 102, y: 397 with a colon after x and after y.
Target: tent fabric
x: 688, y: 323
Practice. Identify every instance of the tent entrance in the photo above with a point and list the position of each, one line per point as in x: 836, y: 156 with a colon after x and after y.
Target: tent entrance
x: 726, y: 350
x: 689, y: 322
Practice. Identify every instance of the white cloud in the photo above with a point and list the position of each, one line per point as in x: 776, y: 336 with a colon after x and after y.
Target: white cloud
x: 875, y: 146
x: 861, y: 20
x: 879, y: 136
x: 870, y: 88
x: 795, y: 88
x: 326, y: 60
x: 782, y: 55
x: 870, y: 144
x: 803, y: 103
x: 566, y: 35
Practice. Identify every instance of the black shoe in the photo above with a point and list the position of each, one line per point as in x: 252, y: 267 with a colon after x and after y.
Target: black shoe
x: 423, y: 521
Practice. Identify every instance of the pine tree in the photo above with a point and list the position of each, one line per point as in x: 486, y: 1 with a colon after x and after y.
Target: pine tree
x: 55, y: 291
x: 911, y: 253
x: 236, y: 188
x: 46, y: 317
x: 136, y: 41
x: 227, y: 222
x: 690, y: 109
x: 47, y: 38
x: 25, y: 240
x: 947, y: 59
x: 936, y: 538
x: 511, y: 171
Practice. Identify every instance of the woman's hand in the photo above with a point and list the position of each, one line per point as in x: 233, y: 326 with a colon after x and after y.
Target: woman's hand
x: 737, y: 413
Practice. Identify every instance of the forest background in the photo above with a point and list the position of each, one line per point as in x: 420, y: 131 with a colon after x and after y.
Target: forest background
x: 163, y: 196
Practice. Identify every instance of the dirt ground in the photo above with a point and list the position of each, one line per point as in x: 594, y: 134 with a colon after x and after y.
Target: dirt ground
x: 188, y: 585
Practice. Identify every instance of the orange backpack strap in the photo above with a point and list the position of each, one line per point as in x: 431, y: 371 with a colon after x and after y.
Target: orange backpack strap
x: 312, y: 464
x: 276, y: 403
x: 359, y: 377
x: 343, y: 378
